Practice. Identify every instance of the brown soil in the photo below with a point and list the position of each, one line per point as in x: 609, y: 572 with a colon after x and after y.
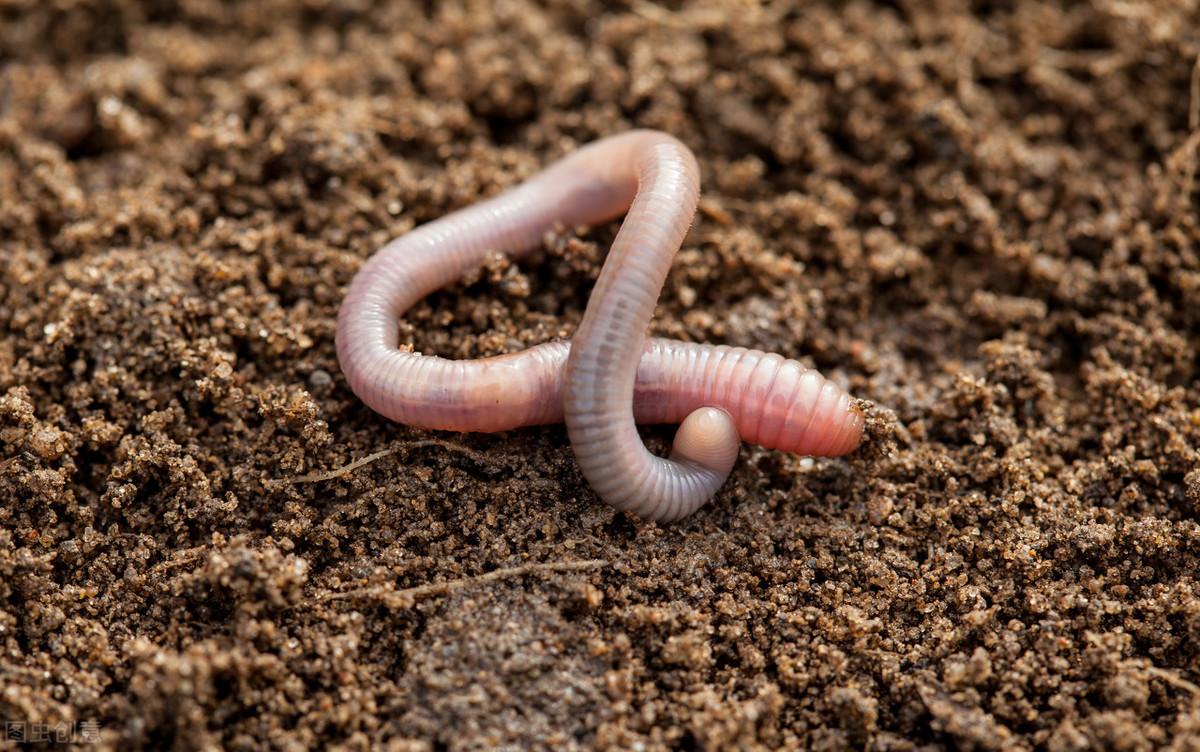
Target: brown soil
x: 981, y: 216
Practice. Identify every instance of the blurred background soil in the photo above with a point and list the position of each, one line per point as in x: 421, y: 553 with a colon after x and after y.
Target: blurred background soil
x: 981, y: 216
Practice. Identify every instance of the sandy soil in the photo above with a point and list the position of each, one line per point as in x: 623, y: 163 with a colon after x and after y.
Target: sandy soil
x: 981, y: 216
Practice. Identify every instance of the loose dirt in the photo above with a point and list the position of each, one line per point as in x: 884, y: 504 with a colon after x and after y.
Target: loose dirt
x: 980, y: 216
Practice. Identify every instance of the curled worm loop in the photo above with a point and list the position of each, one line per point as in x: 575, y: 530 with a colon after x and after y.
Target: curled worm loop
x: 616, y: 376
x: 606, y: 350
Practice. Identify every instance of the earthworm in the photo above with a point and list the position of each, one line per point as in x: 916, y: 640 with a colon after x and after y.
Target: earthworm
x: 612, y: 376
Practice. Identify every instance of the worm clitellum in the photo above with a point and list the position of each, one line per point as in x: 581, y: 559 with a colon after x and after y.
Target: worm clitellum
x: 611, y: 375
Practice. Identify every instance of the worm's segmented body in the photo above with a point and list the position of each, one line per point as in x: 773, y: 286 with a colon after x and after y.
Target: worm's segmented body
x: 612, y: 376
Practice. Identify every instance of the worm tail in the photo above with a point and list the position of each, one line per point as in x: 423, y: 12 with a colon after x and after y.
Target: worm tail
x: 775, y: 402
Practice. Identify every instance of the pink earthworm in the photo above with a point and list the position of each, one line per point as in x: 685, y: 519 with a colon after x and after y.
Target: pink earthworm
x: 611, y: 377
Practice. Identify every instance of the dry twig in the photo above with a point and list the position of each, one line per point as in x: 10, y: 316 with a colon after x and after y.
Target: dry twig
x: 352, y: 466
x: 401, y: 599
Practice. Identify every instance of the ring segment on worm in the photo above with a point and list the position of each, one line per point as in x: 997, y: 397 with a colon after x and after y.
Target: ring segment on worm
x: 610, y: 376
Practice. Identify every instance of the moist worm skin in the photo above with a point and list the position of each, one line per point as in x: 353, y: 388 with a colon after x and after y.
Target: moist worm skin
x: 617, y: 376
